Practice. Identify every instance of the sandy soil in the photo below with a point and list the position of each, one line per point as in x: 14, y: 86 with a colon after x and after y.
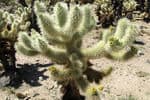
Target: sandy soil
x: 128, y: 79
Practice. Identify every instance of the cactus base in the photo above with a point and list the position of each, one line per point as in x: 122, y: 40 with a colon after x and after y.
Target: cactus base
x: 71, y: 92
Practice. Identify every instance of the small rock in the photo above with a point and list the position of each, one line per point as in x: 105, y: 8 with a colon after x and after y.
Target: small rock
x: 139, y: 42
x: 32, y: 81
x: 4, y: 80
x: 140, y: 53
x: 37, y: 60
x: 142, y: 74
x: 35, y: 94
x: 20, y: 95
x: 40, y: 78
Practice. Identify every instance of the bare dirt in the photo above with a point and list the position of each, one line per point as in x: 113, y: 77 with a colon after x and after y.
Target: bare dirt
x: 129, y: 79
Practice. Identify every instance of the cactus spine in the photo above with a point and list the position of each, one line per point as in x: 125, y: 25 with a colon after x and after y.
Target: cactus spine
x: 61, y: 40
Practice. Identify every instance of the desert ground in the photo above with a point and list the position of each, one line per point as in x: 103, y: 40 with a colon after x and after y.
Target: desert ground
x: 129, y: 80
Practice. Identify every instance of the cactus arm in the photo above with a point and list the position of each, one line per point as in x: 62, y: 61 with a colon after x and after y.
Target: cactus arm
x: 123, y: 54
x: 5, y: 34
x: 39, y: 7
x: 82, y: 83
x: 56, y: 54
x: 44, y: 20
x: 28, y: 2
x: 50, y: 52
x: 46, y: 25
x: 2, y: 22
x: 14, y: 31
x: 121, y: 27
x: 130, y: 35
x: 25, y: 51
x: 26, y: 40
x: 107, y: 34
x: 94, y: 51
x: 87, y: 22
x: 118, y: 54
x: 37, y: 43
x: 60, y: 11
x: 73, y: 21
x: 50, y: 29
x: 64, y: 73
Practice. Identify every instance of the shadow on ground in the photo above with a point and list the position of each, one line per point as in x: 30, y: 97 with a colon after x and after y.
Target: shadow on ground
x: 29, y: 74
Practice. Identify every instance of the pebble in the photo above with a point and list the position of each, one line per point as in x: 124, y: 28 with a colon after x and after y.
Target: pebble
x: 4, y: 80
x: 32, y: 81
x: 140, y: 53
x: 148, y: 61
x: 40, y: 78
x: 20, y: 95
x: 139, y: 42
x: 142, y: 74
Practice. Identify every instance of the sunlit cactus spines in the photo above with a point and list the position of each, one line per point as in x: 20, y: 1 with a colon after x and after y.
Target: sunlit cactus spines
x: 105, y: 6
x: 2, y: 21
x: 129, y: 5
x: 115, y: 42
x: 93, y: 92
x: 61, y: 37
x: 14, y: 23
x: 123, y: 38
x: 68, y: 26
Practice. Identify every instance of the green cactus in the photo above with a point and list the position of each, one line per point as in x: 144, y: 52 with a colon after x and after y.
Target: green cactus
x: 16, y: 22
x: 9, y: 5
x: 94, y: 92
x: 142, y: 10
x: 105, y: 12
x: 10, y: 25
x: 109, y: 11
x: 61, y: 36
x: 105, y: 6
x: 129, y: 5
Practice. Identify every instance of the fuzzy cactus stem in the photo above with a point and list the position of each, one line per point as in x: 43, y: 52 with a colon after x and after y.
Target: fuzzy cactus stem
x: 61, y: 37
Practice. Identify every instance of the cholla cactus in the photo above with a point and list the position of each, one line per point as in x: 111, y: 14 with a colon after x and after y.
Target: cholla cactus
x: 14, y: 23
x: 9, y: 5
x: 143, y: 10
x: 120, y: 42
x: 28, y: 2
x: 47, y: 2
x: 109, y: 11
x: 94, y: 92
x: 129, y: 5
x: 61, y: 40
x: 7, y: 1
x: 10, y: 25
x: 105, y: 6
x: 105, y: 12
